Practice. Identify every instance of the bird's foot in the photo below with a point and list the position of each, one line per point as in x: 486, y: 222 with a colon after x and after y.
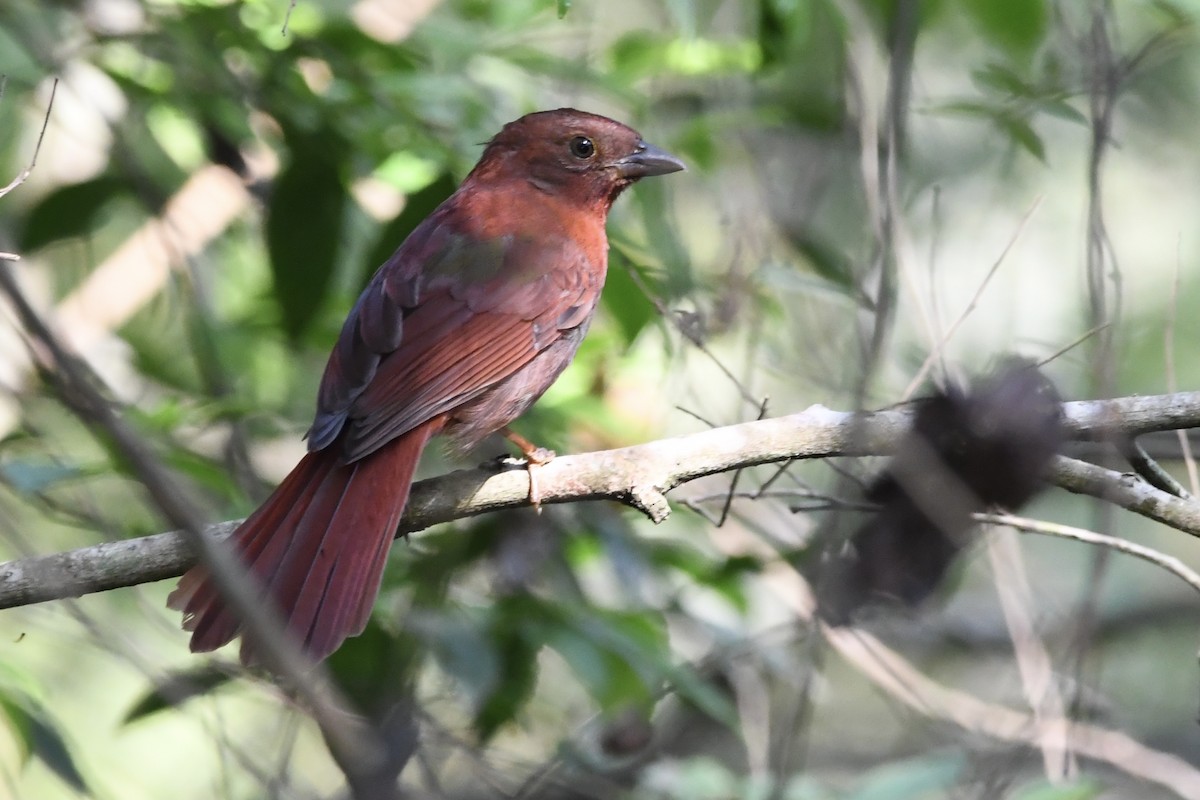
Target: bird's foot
x: 534, y: 457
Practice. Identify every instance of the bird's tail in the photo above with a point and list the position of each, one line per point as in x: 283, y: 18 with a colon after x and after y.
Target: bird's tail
x: 317, y: 546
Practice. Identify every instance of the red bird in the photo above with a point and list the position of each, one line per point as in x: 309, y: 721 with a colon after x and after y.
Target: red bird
x: 460, y: 331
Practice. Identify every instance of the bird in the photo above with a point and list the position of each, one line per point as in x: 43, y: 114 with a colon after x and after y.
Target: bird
x: 460, y: 331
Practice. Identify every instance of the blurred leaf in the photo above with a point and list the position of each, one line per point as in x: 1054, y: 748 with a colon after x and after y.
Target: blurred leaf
x: 1024, y: 135
x: 702, y: 778
x: 780, y: 23
x: 621, y: 658
x: 826, y: 260
x: 1002, y: 79
x: 38, y: 736
x: 1017, y: 26
x: 609, y: 679
x: 417, y: 207
x: 643, y: 53
x: 969, y: 108
x: 212, y: 474
x: 30, y: 477
x: 705, y: 695
x: 624, y: 300
x: 304, y: 227
x: 177, y: 688
x: 915, y: 779
x: 789, y: 278
x: 1041, y: 790
x: 517, y: 654
x: 563, y: 7
x: 696, y: 144
x: 375, y: 667
x: 637, y: 52
x: 459, y: 643
x: 70, y: 211
x: 728, y: 579
x: 1057, y: 107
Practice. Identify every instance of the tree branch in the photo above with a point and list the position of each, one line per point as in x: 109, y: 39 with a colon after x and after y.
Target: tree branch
x: 640, y: 476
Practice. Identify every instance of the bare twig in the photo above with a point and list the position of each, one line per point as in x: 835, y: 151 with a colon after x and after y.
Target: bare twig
x: 24, y: 174
x: 1172, y: 383
x: 737, y: 474
x: 935, y: 353
x: 287, y: 17
x: 1151, y: 470
x: 1155, y: 557
x: 1083, y: 337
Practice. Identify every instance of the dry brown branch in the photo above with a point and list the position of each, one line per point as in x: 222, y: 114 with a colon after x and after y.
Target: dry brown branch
x: 640, y: 476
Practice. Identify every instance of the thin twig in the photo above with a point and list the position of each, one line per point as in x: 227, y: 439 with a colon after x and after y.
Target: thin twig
x: 1185, y: 444
x: 1083, y: 337
x: 691, y: 336
x: 737, y: 474
x: 1148, y: 554
x: 966, y: 312
x: 287, y: 17
x: 1151, y: 470
x: 24, y: 174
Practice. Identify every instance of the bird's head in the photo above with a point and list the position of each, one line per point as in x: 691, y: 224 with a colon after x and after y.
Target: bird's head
x: 565, y: 152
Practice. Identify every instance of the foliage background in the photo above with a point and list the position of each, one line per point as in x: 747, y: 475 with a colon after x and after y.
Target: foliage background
x: 536, y: 649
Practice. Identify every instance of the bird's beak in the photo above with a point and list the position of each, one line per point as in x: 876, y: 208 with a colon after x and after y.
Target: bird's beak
x: 648, y: 160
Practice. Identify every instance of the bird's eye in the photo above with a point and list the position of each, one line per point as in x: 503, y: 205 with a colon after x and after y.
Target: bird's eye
x: 582, y: 147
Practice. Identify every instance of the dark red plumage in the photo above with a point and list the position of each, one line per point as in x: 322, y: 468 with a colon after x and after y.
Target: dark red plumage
x: 459, y: 332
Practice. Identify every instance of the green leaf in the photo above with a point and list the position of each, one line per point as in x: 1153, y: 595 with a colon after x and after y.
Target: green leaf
x: 826, y: 259
x: 1017, y: 26
x: 624, y: 300
x: 70, y: 211
x: 1002, y: 79
x: 462, y: 649
x: 704, y: 695
x: 38, y: 735
x: 303, y: 228
x: 518, y: 678
x: 914, y: 779
x: 1057, y: 107
x: 373, y: 668
x: 609, y: 679
x: 1041, y: 790
x: 620, y: 657
x: 175, y: 689
x: 1024, y: 135
x: 30, y: 477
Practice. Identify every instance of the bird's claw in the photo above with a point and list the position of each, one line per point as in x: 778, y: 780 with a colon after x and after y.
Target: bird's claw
x: 534, y: 457
x: 540, y: 455
x: 534, y: 461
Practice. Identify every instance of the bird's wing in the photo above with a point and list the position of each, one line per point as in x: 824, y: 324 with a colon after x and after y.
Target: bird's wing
x: 446, y: 318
